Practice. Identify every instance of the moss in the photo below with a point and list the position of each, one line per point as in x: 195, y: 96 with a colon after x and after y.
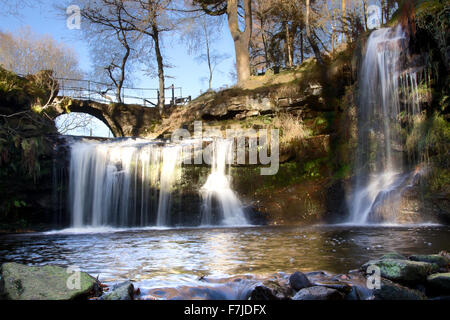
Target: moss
x: 403, y: 270
x: 44, y: 283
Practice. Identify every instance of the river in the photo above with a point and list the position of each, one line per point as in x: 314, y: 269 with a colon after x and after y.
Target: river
x: 162, y: 262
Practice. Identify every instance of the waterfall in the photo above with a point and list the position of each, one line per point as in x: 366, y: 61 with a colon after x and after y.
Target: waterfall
x: 170, y: 174
x: 380, y: 173
x: 131, y: 182
x: 217, y: 188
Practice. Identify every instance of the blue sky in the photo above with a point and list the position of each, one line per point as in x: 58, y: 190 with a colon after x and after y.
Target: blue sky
x: 187, y: 72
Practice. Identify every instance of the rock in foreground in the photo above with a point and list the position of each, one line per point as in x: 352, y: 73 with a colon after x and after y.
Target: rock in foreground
x: 404, y: 271
x: 440, y: 260
x: 440, y: 282
x: 298, y: 281
x: 318, y: 293
x: 393, y: 291
x: 21, y: 282
x: 121, y: 291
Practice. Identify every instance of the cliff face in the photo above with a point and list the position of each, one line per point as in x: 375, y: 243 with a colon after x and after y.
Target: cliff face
x: 27, y: 139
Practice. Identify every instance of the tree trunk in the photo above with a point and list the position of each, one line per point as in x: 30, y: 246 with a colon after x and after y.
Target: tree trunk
x: 208, y: 56
x: 159, y: 60
x: 288, y: 46
x: 241, y: 38
x: 122, y: 74
x: 311, y: 40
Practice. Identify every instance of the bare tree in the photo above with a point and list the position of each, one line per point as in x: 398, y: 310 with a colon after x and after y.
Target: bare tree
x: 25, y: 52
x: 74, y: 121
x: 112, y: 40
x: 201, y: 34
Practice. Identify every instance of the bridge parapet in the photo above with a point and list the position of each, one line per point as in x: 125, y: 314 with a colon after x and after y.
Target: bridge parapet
x: 89, y: 90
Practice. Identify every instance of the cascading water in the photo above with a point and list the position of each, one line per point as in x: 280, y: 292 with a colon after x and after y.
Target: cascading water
x: 217, y: 188
x: 380, y: 175
x: 131, y: 182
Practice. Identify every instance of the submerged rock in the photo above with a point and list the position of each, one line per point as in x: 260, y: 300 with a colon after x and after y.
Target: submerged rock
x: 121, y: 291
x: 21, y: 282
x: 393, y: 291
x: 318, y: 293
x: 403, y: 270
x: 440, y: 283
x: 438, y: 259
x: 298, y: 281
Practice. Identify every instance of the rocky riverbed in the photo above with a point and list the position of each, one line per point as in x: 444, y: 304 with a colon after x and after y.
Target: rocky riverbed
x: 389, y: 277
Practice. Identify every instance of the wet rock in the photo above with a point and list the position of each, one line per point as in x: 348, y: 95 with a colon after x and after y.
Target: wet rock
x: 271, y: 290
x: 298, y: 281
x: 342, y: 287
x: 121, y: 291
x: 403, y: 270
x: 440, y: 260
x: 393, y: 291
x: 263, y: 293
x: 318, y: 293
x: 393, y: 255
x: 23, y: 282
x: 439, y: 283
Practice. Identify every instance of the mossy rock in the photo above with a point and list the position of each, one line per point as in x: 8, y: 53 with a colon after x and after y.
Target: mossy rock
x: 393, y: 255
x: 121, y: 291
x: 21, y: 282
x: 393, y: 291
x: 441, y: 261
x: 440, y: 282
x: 403, y: 271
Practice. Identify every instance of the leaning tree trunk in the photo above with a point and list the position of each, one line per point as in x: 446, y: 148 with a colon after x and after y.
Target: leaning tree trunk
x: 241, y: 38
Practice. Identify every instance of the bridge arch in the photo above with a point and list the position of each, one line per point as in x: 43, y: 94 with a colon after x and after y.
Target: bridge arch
x: 123, y: 120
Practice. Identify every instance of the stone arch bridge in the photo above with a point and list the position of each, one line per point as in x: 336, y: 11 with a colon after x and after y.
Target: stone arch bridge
x: 134, y: 118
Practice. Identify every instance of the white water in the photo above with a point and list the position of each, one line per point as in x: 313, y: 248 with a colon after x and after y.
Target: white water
x: 380, y: 175
x: 217, y: 188
x: 131, y: 183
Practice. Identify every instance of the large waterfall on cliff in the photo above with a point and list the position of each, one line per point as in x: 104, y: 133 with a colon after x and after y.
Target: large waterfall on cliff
x: 132, y: 182
x: 387, y: 93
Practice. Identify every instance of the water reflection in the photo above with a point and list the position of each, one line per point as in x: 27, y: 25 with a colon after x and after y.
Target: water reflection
x: 174, y: 257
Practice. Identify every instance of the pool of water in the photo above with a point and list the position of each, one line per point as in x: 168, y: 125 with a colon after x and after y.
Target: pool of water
x: 170, y: 258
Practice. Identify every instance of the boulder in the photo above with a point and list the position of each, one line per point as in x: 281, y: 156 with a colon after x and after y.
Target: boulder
x: 21, y: 282
x: 403, y: 270
x: 318, y: 293
x: 438, y: 259
x: 121, y: 291
x: 343, y: 287
x: 271, y: 290
x: 393, y: 291
x: 298, y: 281
x: 263, y: 293
x: 439, y: 283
